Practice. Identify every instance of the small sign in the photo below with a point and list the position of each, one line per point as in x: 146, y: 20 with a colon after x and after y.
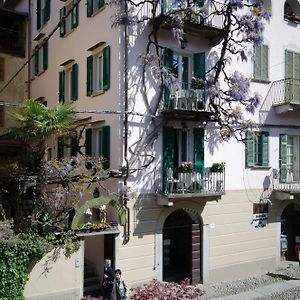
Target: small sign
x: 260, y: 215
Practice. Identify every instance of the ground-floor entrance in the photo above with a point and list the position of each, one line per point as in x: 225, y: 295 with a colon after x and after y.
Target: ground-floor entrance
x: 290, y: 231
x: 182, y: 247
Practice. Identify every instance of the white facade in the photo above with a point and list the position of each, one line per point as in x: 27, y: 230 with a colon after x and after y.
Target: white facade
x: 229, y: 245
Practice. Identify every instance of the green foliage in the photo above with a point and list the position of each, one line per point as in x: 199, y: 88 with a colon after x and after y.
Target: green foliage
x: 217, y: 167
x: 37, y: 120
x: 18, y: 251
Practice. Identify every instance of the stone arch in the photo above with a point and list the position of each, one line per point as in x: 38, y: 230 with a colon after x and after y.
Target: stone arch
x: 195, y: 210
x: 99, y: 201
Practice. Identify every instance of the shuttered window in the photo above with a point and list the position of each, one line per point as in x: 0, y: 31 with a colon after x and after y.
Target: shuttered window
x: 97, y: 144
x: 257, y: 149
x: 94, y: 6
x: 43, y: 8
x: 68, y: 84
x: 292, y: 75
x: 98, y: 72
x: 69, y: 18
x: 261, y: 63
x: 41, y: 58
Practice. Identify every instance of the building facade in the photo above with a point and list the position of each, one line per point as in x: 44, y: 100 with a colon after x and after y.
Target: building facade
x: 186, y: 214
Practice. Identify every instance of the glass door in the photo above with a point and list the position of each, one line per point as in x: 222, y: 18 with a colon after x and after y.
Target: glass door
x: 290, y: 158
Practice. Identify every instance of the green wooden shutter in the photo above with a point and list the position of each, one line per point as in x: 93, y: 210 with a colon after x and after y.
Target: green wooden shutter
x: 265, y: 148
x: 283, y: 156
x: 62, y: 27
x: 74, y: 144
x: 199, y: 3
x: 265, y: 62
x: 106, y: 147
x: 250, y: 149
x: 38, y: 14
x: 74, y: 82
x: 289, y: 74
x: 89, y: 82
x: 60, y: 148
x: 163, y: 6
x: 168, y: 151
x: 101, y: 4
x: 257, y: 62
x: 106, y: 68
x: 199, y: 65
x: 88, y: 142
x: 89, y: 8
x: 62, y: 87
x: 168, y: 63
x: 45, y: 55
x: 46, y: 13
x: 199, y: 149
x: 200, y: 72
x: 74, y: 15
x: 36, y: 61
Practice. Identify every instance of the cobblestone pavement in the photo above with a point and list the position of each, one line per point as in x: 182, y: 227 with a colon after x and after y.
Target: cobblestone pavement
x: 285, y: 282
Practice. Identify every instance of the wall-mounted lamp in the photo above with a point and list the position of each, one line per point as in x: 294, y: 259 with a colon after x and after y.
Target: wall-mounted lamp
x: 183, y: 43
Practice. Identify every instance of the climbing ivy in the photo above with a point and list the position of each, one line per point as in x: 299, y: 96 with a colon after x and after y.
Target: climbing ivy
x: 17, y: 251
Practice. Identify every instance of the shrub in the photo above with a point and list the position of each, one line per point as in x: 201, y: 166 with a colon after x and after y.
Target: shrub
x: 155, y: 290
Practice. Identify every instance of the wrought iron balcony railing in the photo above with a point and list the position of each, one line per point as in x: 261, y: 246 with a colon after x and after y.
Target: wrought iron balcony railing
x: 284, y: 91
x: 187, y: 100
x: 214, y: 19
x: 206, y: 183
x: 287, y: 180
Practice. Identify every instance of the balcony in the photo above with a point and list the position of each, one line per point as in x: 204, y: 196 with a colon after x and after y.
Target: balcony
x: 286, y: 183
x: 206, y: 185
x: 284, y: 95
x: 209, y: 27
x: 186, y: 105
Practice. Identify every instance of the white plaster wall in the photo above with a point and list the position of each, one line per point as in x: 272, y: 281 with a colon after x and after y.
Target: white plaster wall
x: 55, y: 274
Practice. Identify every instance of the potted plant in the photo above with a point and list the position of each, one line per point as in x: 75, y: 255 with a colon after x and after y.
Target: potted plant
x: 186, y: 167
x: 217, y: 167
x: 197, y: 83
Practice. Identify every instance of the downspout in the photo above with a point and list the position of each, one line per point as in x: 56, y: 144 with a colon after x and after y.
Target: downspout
x: 125, y: 194
x: 29, y: 51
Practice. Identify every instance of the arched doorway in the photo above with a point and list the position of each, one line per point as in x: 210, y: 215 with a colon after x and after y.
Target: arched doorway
x: 290, y: 229
x: 182, y: 247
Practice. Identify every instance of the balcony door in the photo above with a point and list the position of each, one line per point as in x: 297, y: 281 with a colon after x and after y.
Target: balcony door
x: 182, y: 70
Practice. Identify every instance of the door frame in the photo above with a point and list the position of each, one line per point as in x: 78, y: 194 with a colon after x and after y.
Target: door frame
x: 158, y: 260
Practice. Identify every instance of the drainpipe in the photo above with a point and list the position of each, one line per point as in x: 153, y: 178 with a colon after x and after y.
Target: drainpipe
x: 125, y: 195
x: 29, y: 51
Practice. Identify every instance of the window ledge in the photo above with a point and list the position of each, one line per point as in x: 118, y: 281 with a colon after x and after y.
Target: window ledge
x: 260, y: 167
x: 260, y: 80
x: 96, y: 12
x: 98, y: 93
x: 40, y: 73
x: 67, y: 34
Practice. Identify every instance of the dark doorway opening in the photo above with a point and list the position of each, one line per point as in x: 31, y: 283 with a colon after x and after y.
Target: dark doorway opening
x: 181, y: 248
x: 290, y: 229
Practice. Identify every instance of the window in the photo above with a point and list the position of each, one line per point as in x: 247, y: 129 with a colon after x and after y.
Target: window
x: 257, y: 149
x: 292, y: 11
x: 289, y: 157
x: 182, y: 145
x: 261, y: 63
x: 68, y: 83
x: 2, y: 68
x: 67, y: 146
x: 292, y: 76
x: 97, y: 144
x: 40, y: 62
x: 184, y: 67
x: 94, y: 6
x: 42, y: 12
x: 69, y: 18
x: 98, y: 71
